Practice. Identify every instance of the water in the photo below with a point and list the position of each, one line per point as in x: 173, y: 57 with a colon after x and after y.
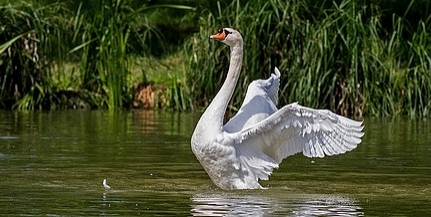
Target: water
x: 53, y: 163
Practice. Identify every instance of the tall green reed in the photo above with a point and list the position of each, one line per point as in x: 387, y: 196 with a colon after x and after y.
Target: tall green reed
x: 28, y: 41
x: 104, y: 33
x: 334, y: 55
x: 39, y: 42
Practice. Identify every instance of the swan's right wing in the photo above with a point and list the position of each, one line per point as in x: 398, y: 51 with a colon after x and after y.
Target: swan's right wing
x: 295, y: 128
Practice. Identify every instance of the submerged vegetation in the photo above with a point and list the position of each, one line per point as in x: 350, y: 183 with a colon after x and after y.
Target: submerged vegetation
x: 353, y: 57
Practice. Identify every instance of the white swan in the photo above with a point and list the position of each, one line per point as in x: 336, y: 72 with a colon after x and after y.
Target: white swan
x: 255, y: 141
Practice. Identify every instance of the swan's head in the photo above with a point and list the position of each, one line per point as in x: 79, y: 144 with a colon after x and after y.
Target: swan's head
x: 228, y: 36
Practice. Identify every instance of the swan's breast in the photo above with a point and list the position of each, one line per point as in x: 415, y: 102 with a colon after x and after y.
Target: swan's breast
x: 215, y: 152
x: 219, y: 159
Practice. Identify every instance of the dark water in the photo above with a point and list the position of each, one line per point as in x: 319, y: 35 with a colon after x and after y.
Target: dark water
x: 53, y: 163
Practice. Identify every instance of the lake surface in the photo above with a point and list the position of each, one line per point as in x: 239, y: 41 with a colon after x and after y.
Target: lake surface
x: 53, y: 163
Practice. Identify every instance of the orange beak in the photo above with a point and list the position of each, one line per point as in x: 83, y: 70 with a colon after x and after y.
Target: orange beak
x: 219, y: 36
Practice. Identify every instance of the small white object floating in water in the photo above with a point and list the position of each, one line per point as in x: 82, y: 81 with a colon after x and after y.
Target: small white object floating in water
x: 105, y: 184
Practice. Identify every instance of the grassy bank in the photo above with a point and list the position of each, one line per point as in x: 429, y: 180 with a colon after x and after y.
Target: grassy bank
x: 353, y: 57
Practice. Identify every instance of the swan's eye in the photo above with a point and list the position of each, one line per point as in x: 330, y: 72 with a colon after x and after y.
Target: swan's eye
x: 227, y: 32
x: 220, y: 31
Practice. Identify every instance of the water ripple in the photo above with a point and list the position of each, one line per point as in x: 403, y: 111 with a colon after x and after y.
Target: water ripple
x: 224, y: 204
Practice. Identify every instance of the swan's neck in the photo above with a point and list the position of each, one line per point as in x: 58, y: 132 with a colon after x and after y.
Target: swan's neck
x: 214, y: 114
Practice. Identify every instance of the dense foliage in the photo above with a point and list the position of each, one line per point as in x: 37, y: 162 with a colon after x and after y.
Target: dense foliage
x: 353, y: 57
x: 348, y: 56
x: 72, y: 54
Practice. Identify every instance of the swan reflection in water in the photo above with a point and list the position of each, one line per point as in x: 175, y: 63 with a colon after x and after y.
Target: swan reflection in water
x: 231, y: 204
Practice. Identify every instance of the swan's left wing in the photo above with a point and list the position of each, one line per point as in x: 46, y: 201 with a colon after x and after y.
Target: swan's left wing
x: 260, y: 102
x: 295, y: 128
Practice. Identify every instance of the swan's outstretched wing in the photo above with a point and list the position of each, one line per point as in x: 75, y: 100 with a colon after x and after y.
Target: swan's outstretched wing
x: 260, y: 102
x: 255, y: 164
x: 295, y: 128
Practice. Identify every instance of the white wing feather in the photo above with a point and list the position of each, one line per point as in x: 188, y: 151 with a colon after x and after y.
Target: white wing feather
x: 260, y: 101
x: 255, y: 163
x: 264, y: 136
x: 295, y: 128
x: 274, y: 82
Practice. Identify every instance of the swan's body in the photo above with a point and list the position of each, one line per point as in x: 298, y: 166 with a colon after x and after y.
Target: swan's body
x: 255, y: 141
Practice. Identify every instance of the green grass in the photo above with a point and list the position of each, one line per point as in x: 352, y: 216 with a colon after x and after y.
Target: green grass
x: 31, y: 35
x: 355, y: 58
x: 334, y: 55
x: 157, y: 70
x: 100, y: 36
x: 168, y: 75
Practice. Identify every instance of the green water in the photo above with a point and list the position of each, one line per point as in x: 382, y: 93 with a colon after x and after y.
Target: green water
x: 53, y: 163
